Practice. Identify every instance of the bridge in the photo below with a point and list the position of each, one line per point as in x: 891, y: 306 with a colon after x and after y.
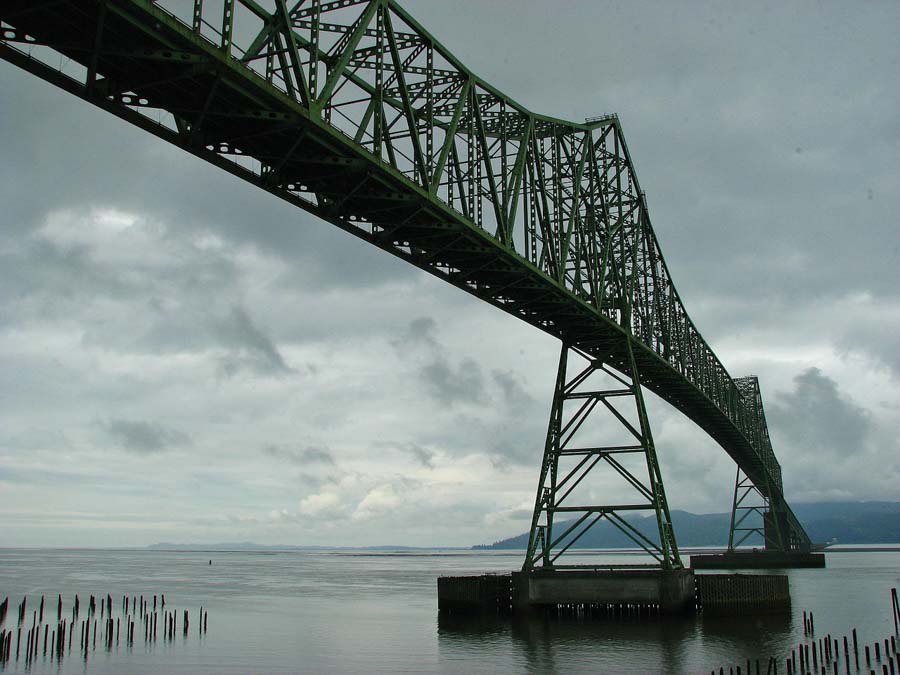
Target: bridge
x: 352, y: 111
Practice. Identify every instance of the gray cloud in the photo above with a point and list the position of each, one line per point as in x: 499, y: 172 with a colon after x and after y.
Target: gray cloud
x: 304, y: 457
x: 817, y: 418
x: 144, y: 438
x: 512, y: 388
x: 449, y: 385
x: 252, y: 348
x: 423, y: 455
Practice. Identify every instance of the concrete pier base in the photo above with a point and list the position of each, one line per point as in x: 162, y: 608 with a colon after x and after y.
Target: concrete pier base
x: 613, y: 593
x: 766, y: 560
x: 659, y: 591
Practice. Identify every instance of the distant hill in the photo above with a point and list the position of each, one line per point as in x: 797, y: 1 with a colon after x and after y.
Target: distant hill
x: 841, y: 522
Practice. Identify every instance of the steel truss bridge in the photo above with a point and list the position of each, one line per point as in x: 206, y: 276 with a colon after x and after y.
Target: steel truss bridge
x: 352, y: 111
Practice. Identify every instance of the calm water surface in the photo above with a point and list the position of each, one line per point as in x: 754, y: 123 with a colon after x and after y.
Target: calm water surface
x: 320, y: 612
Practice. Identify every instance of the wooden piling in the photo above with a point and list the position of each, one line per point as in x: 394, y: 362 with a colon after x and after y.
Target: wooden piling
x: 895, y: 610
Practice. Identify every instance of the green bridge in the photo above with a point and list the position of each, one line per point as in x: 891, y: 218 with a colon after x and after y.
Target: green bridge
x: 352, y: 111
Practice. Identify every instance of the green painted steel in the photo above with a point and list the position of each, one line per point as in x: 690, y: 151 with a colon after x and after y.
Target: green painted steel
x: 573, y: 451
x: 352, y: 111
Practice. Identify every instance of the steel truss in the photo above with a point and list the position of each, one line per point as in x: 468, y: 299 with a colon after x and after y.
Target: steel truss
x: 571, y: 455
x: 352, y: 111
x: 748, y: 513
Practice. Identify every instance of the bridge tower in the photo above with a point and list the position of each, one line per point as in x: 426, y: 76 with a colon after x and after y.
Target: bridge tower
x: 621, y: 462
x: 753, y: 510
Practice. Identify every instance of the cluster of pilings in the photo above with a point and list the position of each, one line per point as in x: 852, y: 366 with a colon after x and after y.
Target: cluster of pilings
x: 831, y: 654
x: 97, y: 622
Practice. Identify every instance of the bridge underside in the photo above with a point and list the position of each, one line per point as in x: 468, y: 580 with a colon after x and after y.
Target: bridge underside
x: 133, y: 59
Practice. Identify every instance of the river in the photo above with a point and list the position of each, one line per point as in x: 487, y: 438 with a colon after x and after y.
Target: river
x: 364, y: 612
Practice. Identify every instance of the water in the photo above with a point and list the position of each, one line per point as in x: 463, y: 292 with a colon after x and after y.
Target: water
x: 359, y: 612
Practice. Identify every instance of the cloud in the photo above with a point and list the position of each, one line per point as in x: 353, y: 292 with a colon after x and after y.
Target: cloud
x: 322, y: 505
x: 449, y: 385
x: 379, y: 501
x: 419, y: 333
x: 446, y: 383
x: 306, y: 456
x: 144, y: 438
x: 251, y: 348
x: 512, y: 388
x: 425, y: 456
x: 817, y: 418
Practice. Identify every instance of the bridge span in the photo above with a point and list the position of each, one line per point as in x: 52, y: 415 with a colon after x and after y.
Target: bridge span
x: 352, y: 111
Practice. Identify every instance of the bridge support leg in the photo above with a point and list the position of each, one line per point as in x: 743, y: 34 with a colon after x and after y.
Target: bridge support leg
x: 747, y: 513
x: 619, y: 457
x: 753, y: 513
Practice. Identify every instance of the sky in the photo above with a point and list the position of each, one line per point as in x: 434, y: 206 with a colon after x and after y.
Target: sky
x: 184, y: 358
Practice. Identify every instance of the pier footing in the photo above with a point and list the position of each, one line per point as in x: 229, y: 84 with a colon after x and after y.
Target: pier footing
x: 613, y: 593
x: 607, y: 591
x: 654, y: 590
x: 760, y: 560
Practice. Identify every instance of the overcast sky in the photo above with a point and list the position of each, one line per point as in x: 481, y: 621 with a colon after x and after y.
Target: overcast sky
x: 185, y: 358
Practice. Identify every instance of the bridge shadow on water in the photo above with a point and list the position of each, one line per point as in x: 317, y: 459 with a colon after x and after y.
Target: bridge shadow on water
x: 546, y: 643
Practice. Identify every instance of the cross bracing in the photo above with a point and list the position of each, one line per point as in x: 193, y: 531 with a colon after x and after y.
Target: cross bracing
x: 352, y: 111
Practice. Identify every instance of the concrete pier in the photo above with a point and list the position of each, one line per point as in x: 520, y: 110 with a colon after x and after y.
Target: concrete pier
x: 613, y: 593
x: 759, y: 560
x: 662, y: 591
x: 617, y: 591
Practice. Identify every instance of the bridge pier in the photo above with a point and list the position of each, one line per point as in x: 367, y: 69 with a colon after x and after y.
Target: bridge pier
x: 613, y: 593
x: 655, y: 591
x: 598, y: 427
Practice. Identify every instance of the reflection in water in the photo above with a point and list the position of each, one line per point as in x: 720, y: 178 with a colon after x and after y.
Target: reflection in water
x: 753, y: 635
x: 545, y: 643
